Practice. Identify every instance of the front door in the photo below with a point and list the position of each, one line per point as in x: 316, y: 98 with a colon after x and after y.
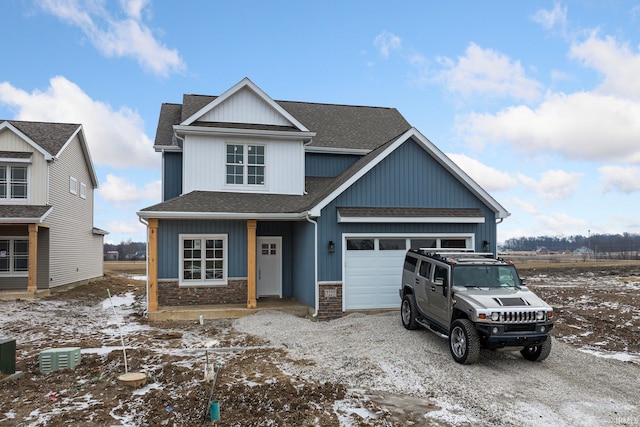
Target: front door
x: 269, y: 268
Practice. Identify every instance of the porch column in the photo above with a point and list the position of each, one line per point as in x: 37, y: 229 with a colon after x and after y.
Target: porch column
x: 152, y: 266
x: 251, y: 263
x: 32, y: 281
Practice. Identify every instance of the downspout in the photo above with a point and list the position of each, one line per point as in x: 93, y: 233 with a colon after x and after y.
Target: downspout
x: 315, y: 265
x: 146, y: 261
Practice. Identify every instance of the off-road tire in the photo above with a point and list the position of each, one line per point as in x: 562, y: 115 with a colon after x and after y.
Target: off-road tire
x: 464, y: 342
x: 408, y: 312
x: 537, y: 353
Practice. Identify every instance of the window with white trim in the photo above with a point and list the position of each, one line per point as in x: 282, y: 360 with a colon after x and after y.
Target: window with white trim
x: 73, y: 185
x: 14, y: 182
x: 83, y: 190
x: 245, y: 164
x: 203, y: 259
x: 14, y: 256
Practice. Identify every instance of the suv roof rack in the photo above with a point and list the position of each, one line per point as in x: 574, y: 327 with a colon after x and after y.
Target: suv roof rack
x: 457, y: 256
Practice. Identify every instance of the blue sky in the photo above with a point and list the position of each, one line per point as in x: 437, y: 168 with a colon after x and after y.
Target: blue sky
x: 539, y: 102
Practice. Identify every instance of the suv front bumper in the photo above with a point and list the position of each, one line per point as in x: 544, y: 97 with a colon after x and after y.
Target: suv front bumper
x: 513, y: 335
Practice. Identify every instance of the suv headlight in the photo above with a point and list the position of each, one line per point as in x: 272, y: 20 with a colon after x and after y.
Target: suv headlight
x: 495, y: 316
x: 540, y: 315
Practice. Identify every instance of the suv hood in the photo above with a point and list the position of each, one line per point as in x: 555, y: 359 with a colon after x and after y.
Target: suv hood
x: 500, y: 298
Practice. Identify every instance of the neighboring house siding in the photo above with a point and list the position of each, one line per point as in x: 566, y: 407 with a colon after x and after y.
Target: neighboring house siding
x: 172, y: 176
x: 74, y: 254
x: 9, y: 141
x: 317, y: 164
x: 409, y: 177
x: 169, y: 244
x: 204, y: 165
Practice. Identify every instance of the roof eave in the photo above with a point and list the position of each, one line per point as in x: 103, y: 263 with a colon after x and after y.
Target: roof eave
x: 221, y: 215
x: 206, y: 130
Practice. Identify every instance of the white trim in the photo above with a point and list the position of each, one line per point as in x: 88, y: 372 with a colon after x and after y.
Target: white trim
x: 208, y: 130
x: 73, y: 185
x: 438, y: 155
x: 83, y: 190
x: 7, y: 125
x: 335, y: 150
x: 203, y: 282
x: 245, y: 83
x: 10, y: 256
x: 413, y: 220
x: 16, y: 200
x: 15, y: 160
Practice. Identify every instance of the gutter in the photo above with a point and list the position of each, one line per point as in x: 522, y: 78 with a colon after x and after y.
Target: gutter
x: 315, y: 265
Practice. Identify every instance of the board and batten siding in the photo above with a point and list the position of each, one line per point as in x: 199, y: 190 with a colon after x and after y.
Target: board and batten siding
x: 408, y: 177
x: 204, y: 168
x: 329, y: 165
x: 75, y: 252
x: 245, y: 107
x: 171, y: 175
x: 9, y: 141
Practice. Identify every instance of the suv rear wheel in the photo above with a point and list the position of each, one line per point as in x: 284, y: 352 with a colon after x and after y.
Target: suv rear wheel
x: 537, y: 352
x: 464, y: 342
x: 408, y: 312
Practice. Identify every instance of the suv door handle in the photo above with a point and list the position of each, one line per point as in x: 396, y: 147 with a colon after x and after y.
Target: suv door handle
x: 433, y: 288
x: 417, y: 281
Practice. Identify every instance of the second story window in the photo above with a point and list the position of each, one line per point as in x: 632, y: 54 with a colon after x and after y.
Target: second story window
x: 245, y: 164
x: 14, y: 182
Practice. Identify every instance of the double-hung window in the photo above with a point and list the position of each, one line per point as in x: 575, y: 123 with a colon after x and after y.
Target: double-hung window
x: 245, y: 164
x: 14, y: 182
x: 14, y: 256
x: 203, y: 259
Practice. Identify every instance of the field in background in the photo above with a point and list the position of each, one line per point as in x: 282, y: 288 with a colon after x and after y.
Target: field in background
x: 128, y: 267
x: 524, y: 262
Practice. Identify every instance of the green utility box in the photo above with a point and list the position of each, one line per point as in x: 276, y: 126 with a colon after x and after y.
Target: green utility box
x: 7, y: 356
x: 54, y: 359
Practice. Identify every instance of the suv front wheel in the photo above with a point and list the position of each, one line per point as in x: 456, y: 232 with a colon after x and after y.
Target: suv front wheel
x: 537, y: 352
x: 464, y: 342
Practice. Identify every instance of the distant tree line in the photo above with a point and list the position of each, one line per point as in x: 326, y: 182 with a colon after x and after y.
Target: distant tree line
x: 126, y: 251
x: 619, y: 246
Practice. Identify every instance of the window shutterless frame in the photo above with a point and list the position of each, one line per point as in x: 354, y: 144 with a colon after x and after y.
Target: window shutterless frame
x: 203, y: 259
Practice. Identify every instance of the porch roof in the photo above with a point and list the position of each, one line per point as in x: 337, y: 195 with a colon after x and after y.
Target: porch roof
x: 23, y: 213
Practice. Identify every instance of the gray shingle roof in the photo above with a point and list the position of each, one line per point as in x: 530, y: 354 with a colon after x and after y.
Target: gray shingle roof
x: 336, y: 126
x: 18, y: 212
x: 50, y: 136
x: 410, y: 212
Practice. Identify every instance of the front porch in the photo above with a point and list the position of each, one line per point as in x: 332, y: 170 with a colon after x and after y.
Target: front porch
x: 231, y: 311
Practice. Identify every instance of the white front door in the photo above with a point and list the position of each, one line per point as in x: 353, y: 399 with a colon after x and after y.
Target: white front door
x: 269, y: 268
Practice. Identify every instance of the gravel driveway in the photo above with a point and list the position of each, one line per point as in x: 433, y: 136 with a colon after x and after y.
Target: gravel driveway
x: 375, y: 357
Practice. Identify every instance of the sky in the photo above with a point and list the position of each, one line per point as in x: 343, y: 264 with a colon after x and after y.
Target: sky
x: 539, y: 102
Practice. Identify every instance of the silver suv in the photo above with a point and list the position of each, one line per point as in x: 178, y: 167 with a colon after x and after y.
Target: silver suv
x: 475, y: 301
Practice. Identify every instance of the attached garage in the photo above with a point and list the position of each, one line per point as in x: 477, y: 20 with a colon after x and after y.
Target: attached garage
x: 373, y: 266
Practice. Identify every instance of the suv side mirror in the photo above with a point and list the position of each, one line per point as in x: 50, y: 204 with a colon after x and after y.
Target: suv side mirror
x: 438, y: 281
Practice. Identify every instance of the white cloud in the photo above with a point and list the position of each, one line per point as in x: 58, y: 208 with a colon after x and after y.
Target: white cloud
x: 526, y: 206
x: 560, y: 224
x: 120, y: 190
x: 554, y: 18
x: 553, y: 184
x: 620, y: 178
x: 489, y: 178
x: 618, y: 63
x: 119, y: 227
x: 579, y: 126
x: 115, y: 138
x: 125, y: 37
x: 386, y: 42
x: 488, y: 73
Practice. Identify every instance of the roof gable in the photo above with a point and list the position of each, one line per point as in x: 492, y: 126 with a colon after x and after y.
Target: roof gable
x: 245, y: 103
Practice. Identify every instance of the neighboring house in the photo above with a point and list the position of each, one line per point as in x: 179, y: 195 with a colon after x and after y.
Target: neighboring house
x: 47, y: 181
x: 316, y: 202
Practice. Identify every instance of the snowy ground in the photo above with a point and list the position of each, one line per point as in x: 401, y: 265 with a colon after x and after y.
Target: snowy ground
x: 360, y: 370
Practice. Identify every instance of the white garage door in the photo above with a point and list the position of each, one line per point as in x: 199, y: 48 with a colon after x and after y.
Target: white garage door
x: 373, y: 272
x: 373, y: 267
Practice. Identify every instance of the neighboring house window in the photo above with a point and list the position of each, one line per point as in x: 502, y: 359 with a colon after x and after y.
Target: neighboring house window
x: 73, y: 185
x: 245, y: 164
x: 14, y: 256
x: 203, y: 259
x: 14, y: 182
x: 83, y: 190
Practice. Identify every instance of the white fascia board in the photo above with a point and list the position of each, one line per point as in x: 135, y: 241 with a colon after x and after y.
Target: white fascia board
x: 168, y: 148
x: 37, y: 147
x: 218, y: 131
x: 412, y: 220
x: 220, y: 215
x: 238, y: 86
x: 468, y: 182
x: 329, y: 150
x: 14, y: 160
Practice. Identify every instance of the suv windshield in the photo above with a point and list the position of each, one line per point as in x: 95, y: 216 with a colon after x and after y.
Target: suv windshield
x: 485, y: 276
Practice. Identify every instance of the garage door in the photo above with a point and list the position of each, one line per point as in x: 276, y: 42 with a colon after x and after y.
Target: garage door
x: 373, y: 272
x: 373, y: 268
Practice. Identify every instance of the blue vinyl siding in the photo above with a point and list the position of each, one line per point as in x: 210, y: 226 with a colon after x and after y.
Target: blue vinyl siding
x: 169, y: 244
x: 303, y: 265
x: 328, y: 165
x: 172, y: 179
x: 409, y: 177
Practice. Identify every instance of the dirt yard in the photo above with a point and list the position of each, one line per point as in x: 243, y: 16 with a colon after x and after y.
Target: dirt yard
x: 261, y: 383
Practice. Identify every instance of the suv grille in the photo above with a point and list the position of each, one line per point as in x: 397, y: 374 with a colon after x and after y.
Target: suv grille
x: 518, y: 316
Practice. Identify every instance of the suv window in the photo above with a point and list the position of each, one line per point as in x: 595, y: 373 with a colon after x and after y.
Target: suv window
x: 410, y: 263
x: 425, y: 269
x: 440, y: 273
x: 486, y: 276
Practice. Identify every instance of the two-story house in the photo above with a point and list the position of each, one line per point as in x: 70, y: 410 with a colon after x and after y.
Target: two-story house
x: 315, y: 202
x: 47, y: 181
